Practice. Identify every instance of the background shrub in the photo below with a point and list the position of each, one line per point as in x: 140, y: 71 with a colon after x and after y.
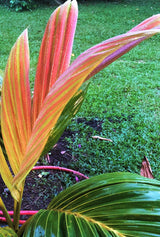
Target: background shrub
x: 20, y: 5
x: 4, y: 2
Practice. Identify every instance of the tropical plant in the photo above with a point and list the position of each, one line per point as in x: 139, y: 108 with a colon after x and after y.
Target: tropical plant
x: 20, y: 5
x: 119, y: 204
x: 4, y: 2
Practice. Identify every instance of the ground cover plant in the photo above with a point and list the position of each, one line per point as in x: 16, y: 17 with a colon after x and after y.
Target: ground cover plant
x: 106, y: 205
x: 130, y: 102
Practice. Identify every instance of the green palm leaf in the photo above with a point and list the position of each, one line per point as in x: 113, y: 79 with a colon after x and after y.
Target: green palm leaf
x: 118, y: 204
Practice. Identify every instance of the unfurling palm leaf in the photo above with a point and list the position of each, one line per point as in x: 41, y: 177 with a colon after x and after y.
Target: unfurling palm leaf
x: 117, y: 204
x: 27, y: 126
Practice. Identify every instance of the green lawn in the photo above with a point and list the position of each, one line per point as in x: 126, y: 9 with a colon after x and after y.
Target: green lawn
x: 124, y: 97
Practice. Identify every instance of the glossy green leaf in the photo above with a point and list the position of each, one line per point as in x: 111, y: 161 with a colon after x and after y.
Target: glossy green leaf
x: 118, y: 204
x: 7, y: 232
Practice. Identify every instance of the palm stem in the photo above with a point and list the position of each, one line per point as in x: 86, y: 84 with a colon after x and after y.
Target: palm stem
x: 16, y: 217
x: 22, y: 228
x: 17, y: 208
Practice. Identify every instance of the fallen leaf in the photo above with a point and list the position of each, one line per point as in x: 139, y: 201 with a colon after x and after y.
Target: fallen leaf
x: 63, y: 152
x: 146, y: 170
x: 102, y: 138
x: 43, y: 174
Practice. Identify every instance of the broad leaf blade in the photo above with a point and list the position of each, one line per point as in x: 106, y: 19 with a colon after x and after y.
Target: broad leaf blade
x: 118, y: 204
x: 16, y: 103
x: 55, y: 52
x: 49, y: 223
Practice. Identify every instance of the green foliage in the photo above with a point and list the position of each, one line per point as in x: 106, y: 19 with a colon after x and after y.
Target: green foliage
x: 49, y: 2
x: 4, y: 2
x: 7, y: 232
x: 125, y: 96
x: 129, y: 115
x: 118, y: 204
x: 20, y: 5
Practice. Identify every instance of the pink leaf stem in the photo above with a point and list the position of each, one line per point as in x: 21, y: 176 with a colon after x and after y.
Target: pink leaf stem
x: 3, y: 219
x: 29, y: 212
x: 22, y: 212
x: 60, y: 169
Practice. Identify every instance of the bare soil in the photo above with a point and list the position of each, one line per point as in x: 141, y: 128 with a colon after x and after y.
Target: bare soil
x: 42, y: 185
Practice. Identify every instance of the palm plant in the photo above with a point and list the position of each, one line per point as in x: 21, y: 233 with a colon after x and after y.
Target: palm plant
x: 119, y: 204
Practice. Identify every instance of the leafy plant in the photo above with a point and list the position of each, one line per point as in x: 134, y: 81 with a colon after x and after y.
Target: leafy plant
x: 118, y: 204
x: 20, y: 5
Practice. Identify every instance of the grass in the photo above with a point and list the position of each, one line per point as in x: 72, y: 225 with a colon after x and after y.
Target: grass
x: 124, y: 97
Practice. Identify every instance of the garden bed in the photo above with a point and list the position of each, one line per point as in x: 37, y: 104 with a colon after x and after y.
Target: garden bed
x: 42, y: 185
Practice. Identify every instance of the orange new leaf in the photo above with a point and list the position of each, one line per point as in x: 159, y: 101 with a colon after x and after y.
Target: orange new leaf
x: 16, y: 110
x: 55, y: 52
x: 16, y: 103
